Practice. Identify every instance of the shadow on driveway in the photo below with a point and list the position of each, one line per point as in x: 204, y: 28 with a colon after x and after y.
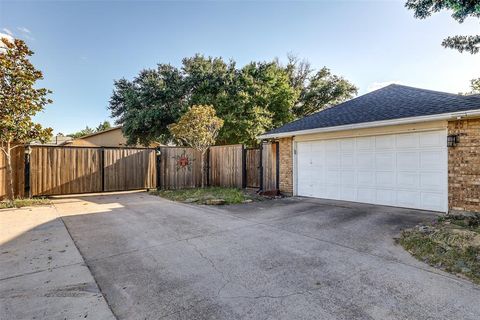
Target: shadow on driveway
x: 290, y: 258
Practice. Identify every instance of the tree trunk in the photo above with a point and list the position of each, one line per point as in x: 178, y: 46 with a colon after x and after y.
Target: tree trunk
x: 10, y: 172
x: 203, y: 169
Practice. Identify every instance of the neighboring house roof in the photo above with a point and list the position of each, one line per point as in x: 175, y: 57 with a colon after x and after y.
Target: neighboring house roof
x: 100, y: 132
x: 388, y: 103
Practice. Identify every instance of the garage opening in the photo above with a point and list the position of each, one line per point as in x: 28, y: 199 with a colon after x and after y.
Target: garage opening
x: 405, y: 170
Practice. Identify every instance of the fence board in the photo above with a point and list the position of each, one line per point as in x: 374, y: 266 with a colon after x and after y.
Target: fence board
x: 60, y: 170
x: 269, y: 164
x: 129, y: 169
x: 18, y: 168
x: 180, y: 168
x: 226, y: 166
x: 252, y: 168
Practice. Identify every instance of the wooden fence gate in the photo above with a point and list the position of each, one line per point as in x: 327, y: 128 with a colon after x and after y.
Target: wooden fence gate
x: 253, y: 165
x: 56, y: 170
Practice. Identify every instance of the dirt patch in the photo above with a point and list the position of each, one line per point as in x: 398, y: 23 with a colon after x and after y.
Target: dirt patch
x: 450, y: 243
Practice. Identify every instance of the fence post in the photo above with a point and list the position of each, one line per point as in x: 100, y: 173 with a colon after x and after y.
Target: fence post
x: 244, y: 167
x: 207, y: 167
x: 102, y: 154
x: 261, y: 166
x: 27, y: 191
x: 277, y: 164
x: 158, y: 161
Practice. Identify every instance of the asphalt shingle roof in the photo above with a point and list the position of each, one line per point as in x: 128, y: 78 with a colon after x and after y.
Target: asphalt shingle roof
x: 391, y: 102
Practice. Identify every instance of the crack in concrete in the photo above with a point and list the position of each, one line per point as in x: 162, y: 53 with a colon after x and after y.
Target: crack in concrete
x: 226, y: 280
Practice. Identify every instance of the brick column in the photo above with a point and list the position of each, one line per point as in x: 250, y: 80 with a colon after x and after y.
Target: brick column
x: 286, y: 166
x: 464, y: 166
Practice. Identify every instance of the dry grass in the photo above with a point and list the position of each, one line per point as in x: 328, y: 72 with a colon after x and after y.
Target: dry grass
x: 448, y: 243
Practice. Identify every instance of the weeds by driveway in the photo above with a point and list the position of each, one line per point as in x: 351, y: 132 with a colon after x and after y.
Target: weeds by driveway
x: 450, y: 243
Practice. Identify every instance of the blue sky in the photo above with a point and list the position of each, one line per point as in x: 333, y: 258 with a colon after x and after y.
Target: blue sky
x: 83, y: 46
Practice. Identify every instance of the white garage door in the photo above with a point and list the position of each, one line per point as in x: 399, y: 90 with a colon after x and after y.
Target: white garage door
x: 404, y: 170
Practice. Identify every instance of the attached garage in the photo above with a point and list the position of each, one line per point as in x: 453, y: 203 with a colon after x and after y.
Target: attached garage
x: 397, y: 146
x: 405, y: 170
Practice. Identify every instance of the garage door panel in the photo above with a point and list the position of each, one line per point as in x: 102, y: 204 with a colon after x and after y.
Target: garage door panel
x: 385, y: 142
x: 407, y: 170
x: 432, y: 139
x: 385, y: 179
x: 348, y: 177
x: 385, y: 161
x: 432, y: 200
x: 431, y: 159
x: 367, y: 195
x: 347, y: 160
x: 408, y: 179
x: 408, y: 199
x: 366, y: 178
x: 348, y: 193
x: 407, y: 141
x: 386, y: 196
x: 365, y: 160
x: 332, y: 177
x: 347, y: 145
x: 365, y: 143
x: 431, y: 181
x: 332, y: 192
x: 408, y: 159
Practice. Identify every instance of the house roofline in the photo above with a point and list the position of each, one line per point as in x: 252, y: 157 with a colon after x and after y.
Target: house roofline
x: 100, y: 132
x: 373, y: 124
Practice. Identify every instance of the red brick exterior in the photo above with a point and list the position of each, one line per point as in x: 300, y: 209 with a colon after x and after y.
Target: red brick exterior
x: 464, y: 166
x: 286, y: 166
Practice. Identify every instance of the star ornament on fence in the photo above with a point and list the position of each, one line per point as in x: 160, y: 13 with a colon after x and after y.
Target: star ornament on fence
x: 183, y: 161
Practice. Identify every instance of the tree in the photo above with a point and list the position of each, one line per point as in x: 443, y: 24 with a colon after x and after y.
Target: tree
x: 322, y: 91
x: 474, y: 86
x: 81, y: 133
x: 198, y: 128
x: 19, y: 101
x: 251, y: 100
x: 105, y: 125
x: 85, y: 132
x: 462, y: 9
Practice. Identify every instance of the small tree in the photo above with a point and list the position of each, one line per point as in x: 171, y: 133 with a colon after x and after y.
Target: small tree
x: 198, y: 128
x: 19, y: 101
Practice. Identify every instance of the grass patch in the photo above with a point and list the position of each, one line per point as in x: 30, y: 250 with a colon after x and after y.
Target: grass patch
x: 206, y: 195
x: 26, y: 202
x: 448, y: 243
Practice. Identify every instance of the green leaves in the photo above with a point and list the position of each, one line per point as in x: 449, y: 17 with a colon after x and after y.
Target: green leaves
x: 251, y: 100
x: 197, y: 128
x: 19, y: 99
x: 461, y: 9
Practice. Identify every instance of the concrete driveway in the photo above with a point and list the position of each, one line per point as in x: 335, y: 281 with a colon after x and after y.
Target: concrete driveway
x: 291, y: 258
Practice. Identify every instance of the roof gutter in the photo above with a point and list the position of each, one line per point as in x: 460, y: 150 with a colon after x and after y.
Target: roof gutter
x: 436, y: 117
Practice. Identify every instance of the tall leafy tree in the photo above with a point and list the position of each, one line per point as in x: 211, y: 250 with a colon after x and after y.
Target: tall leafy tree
x: 198, y: 128
x: 250, y: 100
x: 462, y: 9
x: 20, y: 100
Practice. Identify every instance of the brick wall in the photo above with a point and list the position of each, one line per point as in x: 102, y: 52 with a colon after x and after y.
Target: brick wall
x: 286, y: 165
x: 464, y: 166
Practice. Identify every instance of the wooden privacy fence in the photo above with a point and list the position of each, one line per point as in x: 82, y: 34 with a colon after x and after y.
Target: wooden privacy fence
x: 179, y: 168
x: 57, y: 170
x: 225, y: 166
x: 18, y: 171
x: 252, y: 167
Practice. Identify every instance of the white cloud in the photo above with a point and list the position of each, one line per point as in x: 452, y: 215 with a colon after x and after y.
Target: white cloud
x: 378, y: 85
x: 23, y: 29
x: 7, y: 31
x: 9, y: 38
